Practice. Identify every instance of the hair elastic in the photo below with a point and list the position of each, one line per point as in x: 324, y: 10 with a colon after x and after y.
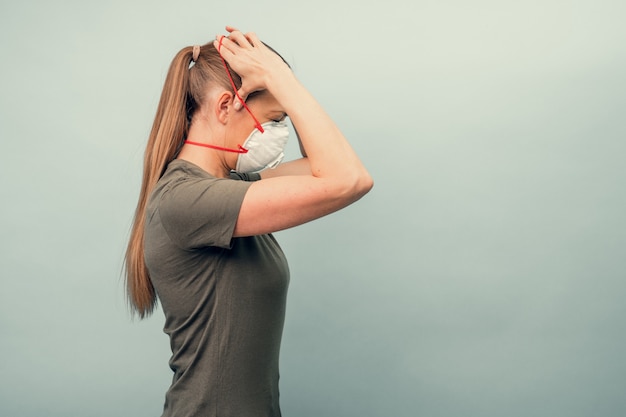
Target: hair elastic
x: 196, y: 53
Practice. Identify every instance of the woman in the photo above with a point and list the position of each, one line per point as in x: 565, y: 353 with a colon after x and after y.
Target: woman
x: 201, y: 238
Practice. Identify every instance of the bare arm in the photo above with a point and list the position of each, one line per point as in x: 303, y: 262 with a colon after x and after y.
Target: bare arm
x: 296, y: 167
x: 336, y: 176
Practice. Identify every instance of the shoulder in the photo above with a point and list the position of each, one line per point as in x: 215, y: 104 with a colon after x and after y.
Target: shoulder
x: 197, y: 209
x: 185, y: 189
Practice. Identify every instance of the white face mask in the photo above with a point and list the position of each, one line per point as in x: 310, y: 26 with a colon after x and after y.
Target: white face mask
x: 265, y: 150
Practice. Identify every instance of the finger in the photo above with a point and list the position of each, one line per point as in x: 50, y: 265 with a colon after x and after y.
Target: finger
x: 238, y: 106
x: 240, y: 39
x: 242, y: 96
x: 253, y: 39
x: 225, y: 47
x: 218, y: 41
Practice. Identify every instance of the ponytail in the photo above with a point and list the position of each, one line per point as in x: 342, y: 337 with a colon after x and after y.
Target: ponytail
x: 168, y: 132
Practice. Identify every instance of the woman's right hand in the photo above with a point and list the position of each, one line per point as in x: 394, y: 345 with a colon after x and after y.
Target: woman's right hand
x: 256, y: 64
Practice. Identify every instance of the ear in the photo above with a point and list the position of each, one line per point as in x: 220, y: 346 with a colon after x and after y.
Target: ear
x: 224, y: 106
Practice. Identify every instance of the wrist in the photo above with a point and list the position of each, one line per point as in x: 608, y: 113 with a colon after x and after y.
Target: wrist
x: 277, y: 80
x: 284, y: 86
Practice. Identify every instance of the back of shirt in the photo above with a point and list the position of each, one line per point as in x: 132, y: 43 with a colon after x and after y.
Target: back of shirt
x: 223, y: 298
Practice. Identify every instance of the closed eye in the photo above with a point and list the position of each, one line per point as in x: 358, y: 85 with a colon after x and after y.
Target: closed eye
x: 279, y: 119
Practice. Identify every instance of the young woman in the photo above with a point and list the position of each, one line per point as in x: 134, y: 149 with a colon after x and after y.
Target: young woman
x: 201, y: 240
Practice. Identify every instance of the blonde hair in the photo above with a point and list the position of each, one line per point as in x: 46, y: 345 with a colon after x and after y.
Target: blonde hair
x: 185, y: 89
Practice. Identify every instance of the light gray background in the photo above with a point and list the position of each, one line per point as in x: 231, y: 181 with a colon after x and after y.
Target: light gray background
x: 482, y: 276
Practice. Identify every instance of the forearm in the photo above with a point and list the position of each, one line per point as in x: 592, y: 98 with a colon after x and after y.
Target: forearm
x: 328, y: 151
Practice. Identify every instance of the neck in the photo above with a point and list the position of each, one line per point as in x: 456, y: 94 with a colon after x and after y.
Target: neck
x: 199, y: 150
x: 204, y: 160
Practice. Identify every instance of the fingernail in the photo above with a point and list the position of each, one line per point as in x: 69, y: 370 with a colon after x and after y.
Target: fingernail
x: 237, y: 104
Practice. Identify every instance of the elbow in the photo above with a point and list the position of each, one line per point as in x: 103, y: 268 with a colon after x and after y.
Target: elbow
x: 366, y: 183
x: 348, y: 187
x: 362, y: 184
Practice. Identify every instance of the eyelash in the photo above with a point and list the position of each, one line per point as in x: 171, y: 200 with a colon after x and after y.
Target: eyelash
x: 279, y: 120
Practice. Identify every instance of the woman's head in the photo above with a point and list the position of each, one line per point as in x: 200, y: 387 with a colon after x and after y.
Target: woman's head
x: 215, y: 121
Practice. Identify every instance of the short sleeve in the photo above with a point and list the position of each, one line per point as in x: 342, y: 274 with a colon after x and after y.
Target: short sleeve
x: 200, y: 212
x: 242, y: 176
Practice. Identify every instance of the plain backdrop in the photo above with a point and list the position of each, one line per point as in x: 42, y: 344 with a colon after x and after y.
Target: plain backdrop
x: 484, y: 275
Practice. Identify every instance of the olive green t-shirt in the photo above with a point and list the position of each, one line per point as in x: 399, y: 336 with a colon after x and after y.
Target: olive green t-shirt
x: 223, y: 297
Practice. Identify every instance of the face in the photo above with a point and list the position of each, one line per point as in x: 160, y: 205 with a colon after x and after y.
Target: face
x: 241, y: 123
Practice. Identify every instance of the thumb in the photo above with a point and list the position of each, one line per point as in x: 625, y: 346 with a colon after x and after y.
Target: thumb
x: 242, y: 95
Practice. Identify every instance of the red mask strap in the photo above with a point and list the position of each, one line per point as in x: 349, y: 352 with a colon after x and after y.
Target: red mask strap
x: 232, y: 83
x: 240, y: 148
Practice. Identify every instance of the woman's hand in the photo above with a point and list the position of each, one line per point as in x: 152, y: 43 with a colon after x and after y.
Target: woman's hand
x: 255, y: 63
